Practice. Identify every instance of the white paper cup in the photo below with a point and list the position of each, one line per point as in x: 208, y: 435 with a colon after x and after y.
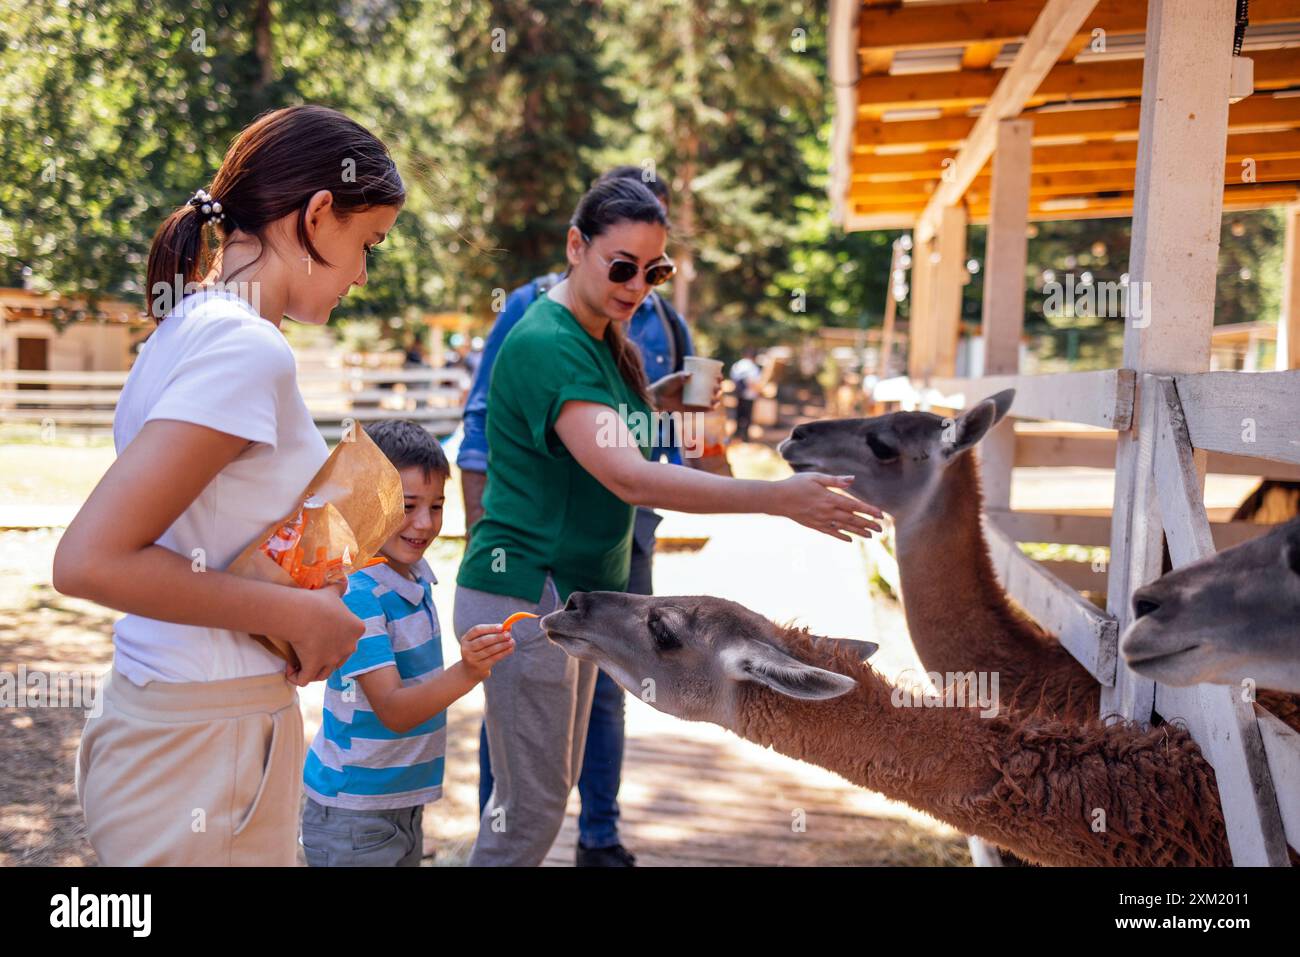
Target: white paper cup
x: 704, y: 377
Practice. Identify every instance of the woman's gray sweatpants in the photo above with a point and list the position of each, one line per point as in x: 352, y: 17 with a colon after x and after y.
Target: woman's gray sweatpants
x: 538, y: 703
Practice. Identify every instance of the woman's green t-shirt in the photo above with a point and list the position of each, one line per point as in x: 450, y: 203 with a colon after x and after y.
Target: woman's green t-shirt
x: 543, y: 512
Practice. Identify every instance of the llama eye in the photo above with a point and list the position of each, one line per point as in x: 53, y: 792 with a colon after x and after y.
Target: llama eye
x: 881, y: 449
x: 663, y: 638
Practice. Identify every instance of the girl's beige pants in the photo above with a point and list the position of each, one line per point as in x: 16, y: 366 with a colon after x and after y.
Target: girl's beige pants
x: 188, y: 774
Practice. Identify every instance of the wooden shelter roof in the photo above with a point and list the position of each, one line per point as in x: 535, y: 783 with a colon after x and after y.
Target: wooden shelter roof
x: 913, y: 77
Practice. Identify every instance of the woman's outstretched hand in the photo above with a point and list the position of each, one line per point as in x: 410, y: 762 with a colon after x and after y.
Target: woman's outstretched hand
x: 809, y: 499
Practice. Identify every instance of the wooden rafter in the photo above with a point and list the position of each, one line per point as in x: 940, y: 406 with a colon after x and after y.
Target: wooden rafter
x: 1256, y: 196
x: 1070, y: 183
x: 1094, y: 80
x: 1056, y: 25
x: 1075, y: 156
x: 1259, y: 112
x: 916, y: 27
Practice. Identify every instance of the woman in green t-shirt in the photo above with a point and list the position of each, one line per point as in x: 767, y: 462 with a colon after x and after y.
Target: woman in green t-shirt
x: 570, y: 427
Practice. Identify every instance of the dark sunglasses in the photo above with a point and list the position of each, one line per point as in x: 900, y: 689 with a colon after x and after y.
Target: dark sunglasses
x: 624, y: 270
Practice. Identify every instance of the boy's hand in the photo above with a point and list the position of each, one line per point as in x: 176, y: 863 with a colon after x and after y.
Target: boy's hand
x: 482, y: 647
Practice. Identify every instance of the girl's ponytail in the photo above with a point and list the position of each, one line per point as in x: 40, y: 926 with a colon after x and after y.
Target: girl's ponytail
x: 178, y: 255
x: 272, y: 169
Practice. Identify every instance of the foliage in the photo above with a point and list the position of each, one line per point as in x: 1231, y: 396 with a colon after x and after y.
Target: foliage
x: 500, y: 114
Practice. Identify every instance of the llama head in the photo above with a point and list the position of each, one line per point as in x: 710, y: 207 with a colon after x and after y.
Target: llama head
x: 1232, y: 617
x: 896, y: 459
x: 688, y: 656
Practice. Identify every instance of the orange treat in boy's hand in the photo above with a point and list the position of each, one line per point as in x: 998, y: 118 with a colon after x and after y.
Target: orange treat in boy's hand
x: 517, y: 616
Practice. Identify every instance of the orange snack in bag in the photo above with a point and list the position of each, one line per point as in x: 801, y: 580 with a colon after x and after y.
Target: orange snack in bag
x: 348, y: 510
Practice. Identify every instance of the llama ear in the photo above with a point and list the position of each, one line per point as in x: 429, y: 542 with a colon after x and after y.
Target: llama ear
x: 975, y: 423
x: 756, y: 661
x: 1002, y: 401
x: 863, y: 649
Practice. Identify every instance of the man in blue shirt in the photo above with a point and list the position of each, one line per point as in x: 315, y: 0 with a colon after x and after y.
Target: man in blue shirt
x: 664, y: 341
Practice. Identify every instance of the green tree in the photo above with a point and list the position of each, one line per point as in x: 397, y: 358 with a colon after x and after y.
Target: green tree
x: 726, y: 93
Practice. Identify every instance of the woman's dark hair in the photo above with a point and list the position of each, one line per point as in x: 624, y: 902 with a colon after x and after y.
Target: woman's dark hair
x: 273, y: 168
x: 638, y: 173
x: 407, y: 443
x: 613, y: 200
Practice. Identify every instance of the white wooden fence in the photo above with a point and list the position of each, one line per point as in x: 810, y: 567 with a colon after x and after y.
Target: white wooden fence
x: 85, y: 400
x: 1244, y: 421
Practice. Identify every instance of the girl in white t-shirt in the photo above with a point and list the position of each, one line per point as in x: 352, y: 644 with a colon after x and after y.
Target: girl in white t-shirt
x: 196, y: 755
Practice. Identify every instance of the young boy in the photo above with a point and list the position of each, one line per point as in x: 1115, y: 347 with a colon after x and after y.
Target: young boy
x: 378, y: 756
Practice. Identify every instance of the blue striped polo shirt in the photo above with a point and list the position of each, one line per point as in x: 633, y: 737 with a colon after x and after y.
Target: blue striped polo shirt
x: 355, y: 762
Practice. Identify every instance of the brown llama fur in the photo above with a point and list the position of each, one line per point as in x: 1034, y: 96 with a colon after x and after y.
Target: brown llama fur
x: 1054, y: 791
x: 986, y: 630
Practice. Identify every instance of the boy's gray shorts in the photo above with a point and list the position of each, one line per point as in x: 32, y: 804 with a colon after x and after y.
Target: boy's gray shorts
x: 342, y: 837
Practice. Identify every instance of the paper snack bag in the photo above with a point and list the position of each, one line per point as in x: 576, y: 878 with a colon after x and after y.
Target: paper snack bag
x: 345, y: 514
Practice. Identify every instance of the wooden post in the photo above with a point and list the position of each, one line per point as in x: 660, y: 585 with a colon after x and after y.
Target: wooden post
x: 1177, y: 212
x: 1220, y: 719
x: 891, y: 312
x: 1288, y: 323
x: 921, y: 322
x: 1004, y: 293
x: 949, y: 281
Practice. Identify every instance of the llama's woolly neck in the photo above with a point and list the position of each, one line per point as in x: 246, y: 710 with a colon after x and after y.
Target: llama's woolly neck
x: 959, y: 616
x: 1027, y: 781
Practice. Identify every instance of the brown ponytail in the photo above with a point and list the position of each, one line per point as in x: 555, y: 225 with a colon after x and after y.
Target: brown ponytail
x: 628, y: 360
x: 273, y: 168
x: 179, y: 248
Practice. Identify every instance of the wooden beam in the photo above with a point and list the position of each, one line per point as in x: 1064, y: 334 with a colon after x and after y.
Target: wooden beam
x: 1288, y: 323
x: 1084, y: 629
x: 884, y: 360
x: 920, y: 324
x: 1282, y: 748
x: 1053, y: 29
x: 1093, y: 80
x: 951, y: 278
x: 1097, y: 450
x: 1223, y: 725
x: 929, y: 165
x: 1065, y: 127
x: 1103, y: 398
x: 1229, y: 735
x: 919, y: 27
x: 1049, y: 208
x: 980, y: 56
x: 1256, y: 415
x: 1174, y: 255
x: 1182, y: 508
x: 1066, y: 528
x: 1045, y: 185
x: 1003, y: 317
x: 843, y: 68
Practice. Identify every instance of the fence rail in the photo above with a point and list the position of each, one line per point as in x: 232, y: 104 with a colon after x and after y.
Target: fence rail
x: 1234, y: 422
x: 335, y: 397
x: 1224, y: 725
